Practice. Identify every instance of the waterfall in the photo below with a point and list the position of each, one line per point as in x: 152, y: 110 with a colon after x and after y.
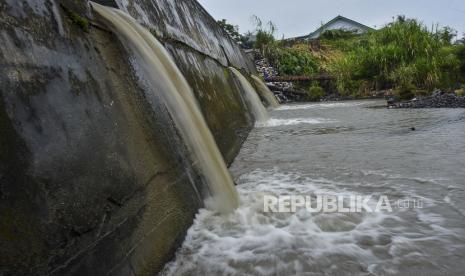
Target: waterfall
x: 159, y: 70
x: 254, y: 102
x: 265, y: 92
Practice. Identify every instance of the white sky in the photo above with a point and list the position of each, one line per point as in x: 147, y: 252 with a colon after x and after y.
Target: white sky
x: 301, y: 17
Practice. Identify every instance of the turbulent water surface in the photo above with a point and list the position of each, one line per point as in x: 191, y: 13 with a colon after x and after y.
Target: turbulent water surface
x: 342, y: 148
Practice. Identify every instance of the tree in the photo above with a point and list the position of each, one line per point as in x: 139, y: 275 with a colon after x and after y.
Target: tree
x: 231, y: 30
x: 447, y: 34
x: 264, y: 33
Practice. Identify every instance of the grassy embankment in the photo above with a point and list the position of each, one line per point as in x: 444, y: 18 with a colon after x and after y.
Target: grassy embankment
x: 404, y: 56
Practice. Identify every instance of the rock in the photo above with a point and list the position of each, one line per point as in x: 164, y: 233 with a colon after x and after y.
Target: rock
x: 283, y: 90
x: 437, y: 93
x: 438, y: 99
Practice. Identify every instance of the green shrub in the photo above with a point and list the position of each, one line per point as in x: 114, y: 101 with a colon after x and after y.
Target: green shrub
x: 343, y: 70
x: 264, y: 36
x: 404, y: 75
x: 231, y: 30
x: 460, y: 54
x: 405, y: 93
x: 402, y: 54
x: 315, y: 93
x: 338, y: 34
x: 296, y: 62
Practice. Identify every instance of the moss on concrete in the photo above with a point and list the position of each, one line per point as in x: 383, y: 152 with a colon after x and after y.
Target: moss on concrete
x: 93, y: 176
x: 82, y: 22
x: 77, y: 19
x: 219, y: 97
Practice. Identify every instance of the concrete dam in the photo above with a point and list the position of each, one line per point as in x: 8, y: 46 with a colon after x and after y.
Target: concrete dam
x: 118, y: 120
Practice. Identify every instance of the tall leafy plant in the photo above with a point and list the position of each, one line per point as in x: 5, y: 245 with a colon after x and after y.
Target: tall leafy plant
x: 402, y: 54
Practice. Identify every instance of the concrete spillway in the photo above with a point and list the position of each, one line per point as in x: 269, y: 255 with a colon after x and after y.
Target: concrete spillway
x: 158, y: 67
x: 265, y: 92
x: 254, y: 102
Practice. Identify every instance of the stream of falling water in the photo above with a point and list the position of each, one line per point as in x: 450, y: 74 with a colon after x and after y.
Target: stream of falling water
x: 161, y: 72
x: 265, y: 92
x: 254, y: 102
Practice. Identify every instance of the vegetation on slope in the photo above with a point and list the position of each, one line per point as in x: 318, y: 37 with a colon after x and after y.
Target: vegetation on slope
x: 404, y: 55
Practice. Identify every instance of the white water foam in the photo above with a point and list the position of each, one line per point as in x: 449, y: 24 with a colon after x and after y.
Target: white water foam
x: 294, y: 121
x: 252, y: 242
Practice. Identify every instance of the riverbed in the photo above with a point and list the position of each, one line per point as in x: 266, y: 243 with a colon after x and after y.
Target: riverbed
x: 344, y: 149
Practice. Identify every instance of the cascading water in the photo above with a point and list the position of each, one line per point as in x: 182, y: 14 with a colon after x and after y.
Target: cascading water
x: 265, y: 92
x: 159, y: 70
x: 261, y: 115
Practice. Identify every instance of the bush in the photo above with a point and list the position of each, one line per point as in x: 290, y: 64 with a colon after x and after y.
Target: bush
x: 264, y: 40
x: 290, y: 61
x: 338, y: 34
x: 402, y: 54
x: 231, y: 30
x: 459, y: 52
x: 405, y: 93
x: 315, y: 93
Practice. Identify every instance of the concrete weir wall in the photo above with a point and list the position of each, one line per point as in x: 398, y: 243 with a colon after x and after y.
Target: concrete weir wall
x: 94, y: 179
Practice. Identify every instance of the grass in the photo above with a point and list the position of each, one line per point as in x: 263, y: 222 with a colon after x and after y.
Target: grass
x: 404, y: 55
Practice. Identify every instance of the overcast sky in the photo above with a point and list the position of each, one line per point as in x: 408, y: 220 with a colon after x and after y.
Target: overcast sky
x: 301, y: 17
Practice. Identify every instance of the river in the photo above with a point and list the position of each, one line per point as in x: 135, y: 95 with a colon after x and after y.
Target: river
x: 345, y: 149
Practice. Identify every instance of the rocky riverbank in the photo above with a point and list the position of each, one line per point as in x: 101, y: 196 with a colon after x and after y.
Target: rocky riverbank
x: 282, y: 90
x: 439, y: 99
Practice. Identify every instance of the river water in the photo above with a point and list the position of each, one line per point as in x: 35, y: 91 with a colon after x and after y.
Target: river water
x: 343, y: 148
